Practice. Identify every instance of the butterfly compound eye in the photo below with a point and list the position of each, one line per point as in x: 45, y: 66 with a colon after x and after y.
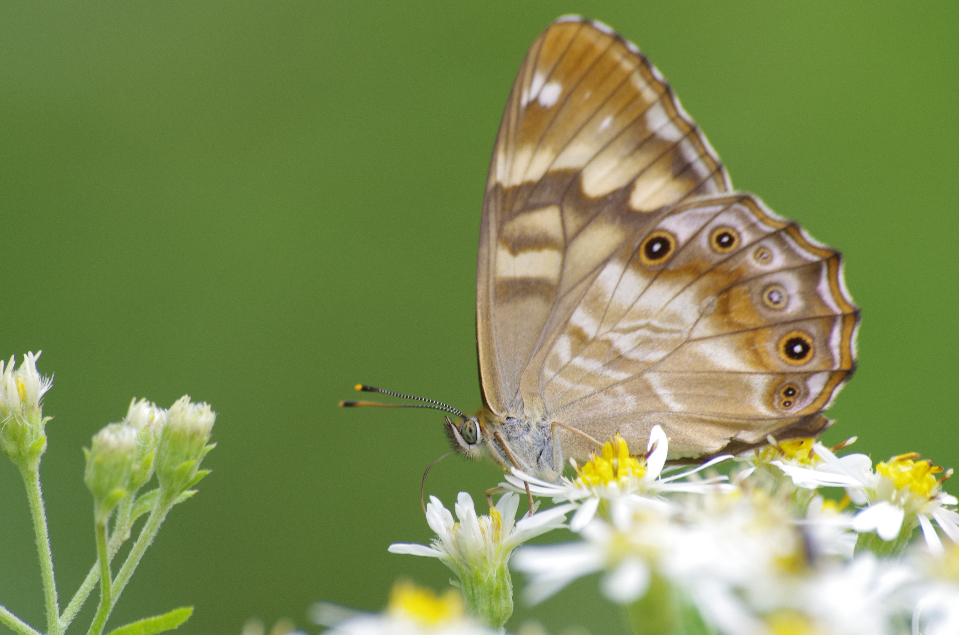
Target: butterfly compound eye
x: 657, y: 248
x: 469, y: 431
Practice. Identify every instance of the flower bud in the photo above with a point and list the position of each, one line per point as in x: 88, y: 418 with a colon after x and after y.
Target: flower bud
x: 22, y: 422
x: 110, y: 461
x: 148, y: 420
x: 183, y: 445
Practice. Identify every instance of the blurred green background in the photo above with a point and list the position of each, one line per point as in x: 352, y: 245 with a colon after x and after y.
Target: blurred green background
x: 264, y: 203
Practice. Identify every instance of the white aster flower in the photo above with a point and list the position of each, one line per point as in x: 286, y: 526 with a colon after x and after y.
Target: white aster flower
x: 897, y: 495
x: 934, y: 599
x: 902, y: 488
x: 21, y: 417
x: 477, y: 548
x: 616, y: 474
x: 855, y: 597
x: 629, y: 550
x: 411, y: 610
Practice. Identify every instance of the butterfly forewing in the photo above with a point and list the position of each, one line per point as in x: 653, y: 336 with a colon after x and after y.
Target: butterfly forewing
x: 593, y: 144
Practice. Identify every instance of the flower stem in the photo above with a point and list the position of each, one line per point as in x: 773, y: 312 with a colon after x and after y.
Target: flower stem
x: 9, y: 619
x: 144, y: 539
x: 103, y: 560
x: 120, y: 534
x: 31, y: 482
x: 664, y: 610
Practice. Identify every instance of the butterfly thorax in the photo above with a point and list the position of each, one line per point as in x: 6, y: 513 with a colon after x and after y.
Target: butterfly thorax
x: 521, y: 442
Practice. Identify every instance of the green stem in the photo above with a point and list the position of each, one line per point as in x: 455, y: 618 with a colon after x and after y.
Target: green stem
x: 103, y: 560
x: 31, y: 481
x: 664, y: 610
x: 120, y: 534
x: 10, y: 619
x: 144, y: 539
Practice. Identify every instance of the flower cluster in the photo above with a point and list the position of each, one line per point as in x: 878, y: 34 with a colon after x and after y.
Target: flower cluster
x: 122, y: 459
x: 794, y: 537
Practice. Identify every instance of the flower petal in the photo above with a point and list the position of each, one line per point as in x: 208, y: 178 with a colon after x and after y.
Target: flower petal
x: 413, y: 549
x: 884, y: 518
x: 585, y: 513
x: 928, y: 533
x: 627, y: 582
x: 657, y: 452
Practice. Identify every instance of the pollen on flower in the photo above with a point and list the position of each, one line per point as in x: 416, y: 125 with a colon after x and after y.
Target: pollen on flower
x: 496, y: 524
x: 906, y: 472
x: 615, y: 464
x: 21, y: 390
x: 831, y: 505
x: 798, y: 450
x: 787, y: 622
x: 424, y: 606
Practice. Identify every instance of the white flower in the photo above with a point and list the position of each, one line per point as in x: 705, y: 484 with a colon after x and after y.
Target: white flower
x: 477, y: 548
x: 145, y: 415
x: 480, y: 540
x: 411, y: 610
x: 22, y: 388
x: 22, y: 422
x: 628, y: 549
x: 934, y: 599
x: 822, y: 467
x: 110, y: 461
x: 616, y: 474
x: 904, y: 487
x: 855, y: 597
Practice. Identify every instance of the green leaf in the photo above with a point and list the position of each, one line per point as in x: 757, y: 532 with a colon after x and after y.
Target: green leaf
x: 198, y: 477
x: 156, y: 624
x: 143, y: 504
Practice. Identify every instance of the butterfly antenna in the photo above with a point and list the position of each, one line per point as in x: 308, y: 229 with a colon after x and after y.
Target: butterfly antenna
x: 430, y: 404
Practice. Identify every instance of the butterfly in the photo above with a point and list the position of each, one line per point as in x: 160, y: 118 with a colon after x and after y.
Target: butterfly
x: 622, y: 283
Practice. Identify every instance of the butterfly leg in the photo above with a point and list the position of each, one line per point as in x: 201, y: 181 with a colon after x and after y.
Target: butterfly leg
x: 527, y: 489
x: 491, y: 491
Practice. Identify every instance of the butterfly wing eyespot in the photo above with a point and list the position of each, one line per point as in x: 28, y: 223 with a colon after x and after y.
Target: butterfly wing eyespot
x: 724, y: 239
x: 796, y: 347
x: 787, y: 396
x: 775, y: 297
x: 657, y: 248
x: 762, y: 255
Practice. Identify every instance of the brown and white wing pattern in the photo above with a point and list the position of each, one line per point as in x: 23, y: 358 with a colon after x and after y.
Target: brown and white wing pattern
x: 722, y: 322
x: 593, y: 144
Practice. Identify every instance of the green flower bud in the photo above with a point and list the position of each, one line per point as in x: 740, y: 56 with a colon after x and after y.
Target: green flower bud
x: 22, y: 422
x: 148, y: 420
x: 183, y: 445
x: 110, y: 461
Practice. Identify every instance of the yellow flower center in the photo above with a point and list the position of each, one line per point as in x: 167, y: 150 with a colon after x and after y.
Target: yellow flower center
x: 21, y: 390
x: 496, y: 524
x: 831, y: 505
x: 789, y: 622
x: 615, y: 464
x: 907, y: 473
x: 798, y: 450
x: 423, y: 605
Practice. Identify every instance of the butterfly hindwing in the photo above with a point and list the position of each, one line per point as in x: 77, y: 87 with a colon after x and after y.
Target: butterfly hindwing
x: 592, y: 145
x: 743, y: 328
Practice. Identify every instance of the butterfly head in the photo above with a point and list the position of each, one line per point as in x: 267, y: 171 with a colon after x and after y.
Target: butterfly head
x: 466, y: 435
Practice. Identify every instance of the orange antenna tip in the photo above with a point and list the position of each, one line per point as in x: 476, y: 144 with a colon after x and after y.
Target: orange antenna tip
x: 358, y: 387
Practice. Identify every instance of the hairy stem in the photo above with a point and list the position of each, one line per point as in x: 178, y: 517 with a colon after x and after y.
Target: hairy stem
x: 103, y: 560
x: 31, y: 482
x: 10, y: 619
x: 144, y: 539
x: 120, y: 534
